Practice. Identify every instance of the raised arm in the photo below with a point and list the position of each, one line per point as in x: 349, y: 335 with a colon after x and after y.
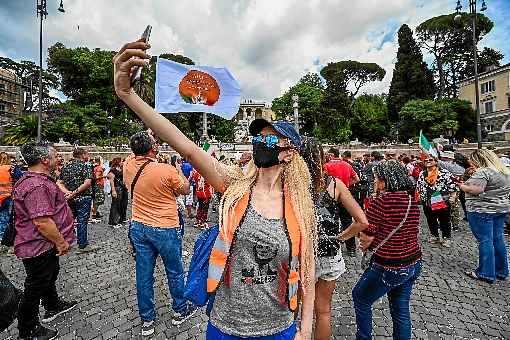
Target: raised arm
x: 123, y: 62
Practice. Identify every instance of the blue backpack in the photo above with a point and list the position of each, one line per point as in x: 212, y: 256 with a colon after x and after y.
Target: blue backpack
x: 196, y: 283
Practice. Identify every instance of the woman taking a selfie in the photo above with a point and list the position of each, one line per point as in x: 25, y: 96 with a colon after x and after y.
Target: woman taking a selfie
x: 266, y: 243
x: 327, y: 192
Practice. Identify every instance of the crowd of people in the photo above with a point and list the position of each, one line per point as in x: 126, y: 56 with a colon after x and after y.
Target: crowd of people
x: 284, y: 211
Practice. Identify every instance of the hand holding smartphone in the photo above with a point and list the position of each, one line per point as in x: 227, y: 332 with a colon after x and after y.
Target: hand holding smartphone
x: 137, y: 70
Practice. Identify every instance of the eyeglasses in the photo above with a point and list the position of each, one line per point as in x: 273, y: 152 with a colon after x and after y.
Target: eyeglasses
x: 270, y: 140
x: 430, y: 160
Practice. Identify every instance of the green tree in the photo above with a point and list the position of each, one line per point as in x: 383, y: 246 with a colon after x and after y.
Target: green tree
x: 370, y: 118
x: 349, y: 76
x: 309, y: 89
x: 412, y: 79
x: 487, y: 57
x: 437, y: 118
x: 24, y: 130
x: 448, y: 41
x: 28, y: 73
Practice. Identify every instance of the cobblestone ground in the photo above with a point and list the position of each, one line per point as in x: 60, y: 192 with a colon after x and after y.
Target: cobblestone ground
x: 445, y: 303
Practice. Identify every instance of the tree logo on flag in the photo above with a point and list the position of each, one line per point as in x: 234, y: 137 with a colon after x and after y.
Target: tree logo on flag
x: 198, y: 87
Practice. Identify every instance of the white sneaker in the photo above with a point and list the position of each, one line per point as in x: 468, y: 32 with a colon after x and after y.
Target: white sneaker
x: 446, y: 242
x: 148, y: 328
x: 434, y: 240
x: 117, y: 226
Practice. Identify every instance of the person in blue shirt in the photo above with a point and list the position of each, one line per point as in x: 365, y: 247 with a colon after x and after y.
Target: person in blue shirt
x: 187, y: 168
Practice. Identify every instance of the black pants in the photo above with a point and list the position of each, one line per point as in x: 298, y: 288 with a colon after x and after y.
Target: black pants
x: 118, y: 209
x: 42, y: 272
x: 462, y: 199
x: 443, y: 217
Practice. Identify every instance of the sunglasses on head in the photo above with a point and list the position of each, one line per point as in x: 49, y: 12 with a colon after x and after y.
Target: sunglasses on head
x: 270, y: 140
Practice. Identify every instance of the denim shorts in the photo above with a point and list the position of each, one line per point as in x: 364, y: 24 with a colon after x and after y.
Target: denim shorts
x: 329, y: 268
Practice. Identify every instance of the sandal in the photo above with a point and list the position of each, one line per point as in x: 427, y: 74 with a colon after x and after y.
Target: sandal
x: 473, y: 275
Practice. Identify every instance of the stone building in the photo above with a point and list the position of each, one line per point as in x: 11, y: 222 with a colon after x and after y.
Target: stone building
x: 11, y: 98
x: 494, y: 100
x: 249, y: 110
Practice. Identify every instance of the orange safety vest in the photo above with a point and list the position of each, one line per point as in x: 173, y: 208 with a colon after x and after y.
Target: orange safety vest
x: 221, y: 250
x: 5, y: 182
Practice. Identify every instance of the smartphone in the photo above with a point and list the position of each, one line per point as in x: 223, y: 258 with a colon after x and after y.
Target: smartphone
x: 137, y: 70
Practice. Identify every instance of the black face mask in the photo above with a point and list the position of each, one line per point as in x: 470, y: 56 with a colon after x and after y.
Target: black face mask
x: 264, y: 156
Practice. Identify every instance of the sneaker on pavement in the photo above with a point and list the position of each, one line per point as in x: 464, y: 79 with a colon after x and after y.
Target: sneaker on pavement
x: 118, y: 226
x: 41, y: 333
x: 351, y: 253
x: 87, y: 249
x: 446, y: 242
x: 179, y: 318
x: 147, y: 328
x: 63, y: 307
x: 434, y: 240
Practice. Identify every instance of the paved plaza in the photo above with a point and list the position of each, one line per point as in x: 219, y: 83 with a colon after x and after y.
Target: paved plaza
x: 445, y: 303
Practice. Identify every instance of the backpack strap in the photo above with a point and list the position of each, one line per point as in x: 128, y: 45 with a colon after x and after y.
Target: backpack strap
x: 137, y: 176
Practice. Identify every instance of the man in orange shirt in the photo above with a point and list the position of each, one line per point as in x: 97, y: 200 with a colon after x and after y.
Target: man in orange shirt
x: 155, y: 227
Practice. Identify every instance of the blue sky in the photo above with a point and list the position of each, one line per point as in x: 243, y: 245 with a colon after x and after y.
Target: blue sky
x: 268, y: 45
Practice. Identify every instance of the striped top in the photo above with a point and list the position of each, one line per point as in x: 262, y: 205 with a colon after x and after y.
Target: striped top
x: 385, y: 213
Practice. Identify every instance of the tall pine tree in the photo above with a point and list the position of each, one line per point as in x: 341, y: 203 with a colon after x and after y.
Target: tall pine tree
x: 412, y: 79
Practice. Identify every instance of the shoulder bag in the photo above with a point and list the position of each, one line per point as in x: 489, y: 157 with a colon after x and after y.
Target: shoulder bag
x: 367, y: 255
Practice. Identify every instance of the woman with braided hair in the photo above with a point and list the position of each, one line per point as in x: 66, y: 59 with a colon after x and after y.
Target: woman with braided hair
x: 265, y: 249
x: 327, y: 192
x: 394, y: 219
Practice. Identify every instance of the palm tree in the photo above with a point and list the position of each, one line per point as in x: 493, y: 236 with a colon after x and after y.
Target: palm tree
x: 23, y: 131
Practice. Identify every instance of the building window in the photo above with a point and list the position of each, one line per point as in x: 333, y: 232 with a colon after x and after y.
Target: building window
x: 2, y: 86
x: 489, y: 86
x: 489, y: 107
x: 508, y: 102
x: 489, y: 128
x: 2, y: 108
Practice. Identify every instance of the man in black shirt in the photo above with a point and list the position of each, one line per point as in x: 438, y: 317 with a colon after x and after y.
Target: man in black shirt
x: 76, y: 182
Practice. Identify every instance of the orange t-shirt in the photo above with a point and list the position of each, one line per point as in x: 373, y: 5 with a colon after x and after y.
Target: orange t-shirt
x: 154, y: 201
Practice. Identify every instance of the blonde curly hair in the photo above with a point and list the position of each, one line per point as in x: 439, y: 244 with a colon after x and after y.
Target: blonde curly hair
x: 296, y: 180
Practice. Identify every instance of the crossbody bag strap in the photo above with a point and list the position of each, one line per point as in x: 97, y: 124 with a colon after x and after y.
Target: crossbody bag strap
x: 137, y: 176
x: 397, y: 228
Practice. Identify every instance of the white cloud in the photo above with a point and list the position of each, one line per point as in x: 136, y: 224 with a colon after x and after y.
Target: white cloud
x: 267, y: 45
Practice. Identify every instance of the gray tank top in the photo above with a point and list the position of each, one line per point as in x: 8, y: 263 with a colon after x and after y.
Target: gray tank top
x: 251, y: 300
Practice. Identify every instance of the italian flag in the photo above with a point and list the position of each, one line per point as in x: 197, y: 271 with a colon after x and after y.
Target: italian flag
x: 426, y: 146
x: 207, y: 148
x: 437, y: 202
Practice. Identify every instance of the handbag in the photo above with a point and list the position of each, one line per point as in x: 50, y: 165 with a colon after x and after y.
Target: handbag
x: 367, y: 255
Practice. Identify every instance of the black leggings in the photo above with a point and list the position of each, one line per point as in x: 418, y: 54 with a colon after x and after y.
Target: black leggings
x: 441, y: 215
x: 119, y: 208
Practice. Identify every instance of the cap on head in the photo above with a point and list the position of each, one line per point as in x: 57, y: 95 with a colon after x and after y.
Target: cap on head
x: 282, y: 127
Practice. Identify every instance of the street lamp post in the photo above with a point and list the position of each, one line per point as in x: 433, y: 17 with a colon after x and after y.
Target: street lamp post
x: 458, y: 17
x: 295, y: 106
x: 109, y: 129
x: 204, y: 126
x: 42, y: 13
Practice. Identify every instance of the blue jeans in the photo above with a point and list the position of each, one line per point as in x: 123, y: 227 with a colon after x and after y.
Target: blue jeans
x: 213, y: 333
x: 5, y: 216
x: 150, y: 242
x: 81, y: 210
x: 377, y: 281
x: 493, y: 258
